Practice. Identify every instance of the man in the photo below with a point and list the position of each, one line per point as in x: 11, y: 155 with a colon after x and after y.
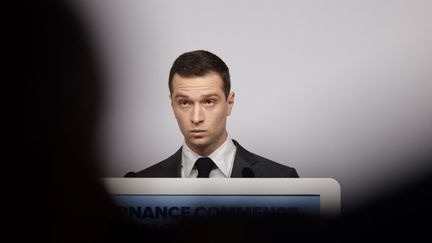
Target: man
x: 199, y: 84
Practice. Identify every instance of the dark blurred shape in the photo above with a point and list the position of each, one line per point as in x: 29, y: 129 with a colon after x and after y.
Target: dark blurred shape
x: 403, y: 215
x: 64, y: 195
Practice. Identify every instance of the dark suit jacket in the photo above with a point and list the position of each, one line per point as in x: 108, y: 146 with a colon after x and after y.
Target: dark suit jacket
x: 246, y: 164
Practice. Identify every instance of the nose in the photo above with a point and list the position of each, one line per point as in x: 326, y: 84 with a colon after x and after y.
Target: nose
x: 197, y: 115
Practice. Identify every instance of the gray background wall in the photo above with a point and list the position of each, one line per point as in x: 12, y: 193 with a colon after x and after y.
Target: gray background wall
x: 339, y: 89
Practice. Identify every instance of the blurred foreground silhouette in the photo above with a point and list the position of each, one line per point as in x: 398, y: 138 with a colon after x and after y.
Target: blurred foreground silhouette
x: 65, y: 201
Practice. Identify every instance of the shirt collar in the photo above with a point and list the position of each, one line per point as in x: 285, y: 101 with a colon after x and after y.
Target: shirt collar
x: 220, y: 157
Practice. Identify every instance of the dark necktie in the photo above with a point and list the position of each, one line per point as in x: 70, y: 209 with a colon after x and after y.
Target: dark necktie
x: 204, y: 166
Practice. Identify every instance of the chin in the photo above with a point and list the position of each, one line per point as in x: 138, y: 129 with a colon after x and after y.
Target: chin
x: 199, y: 142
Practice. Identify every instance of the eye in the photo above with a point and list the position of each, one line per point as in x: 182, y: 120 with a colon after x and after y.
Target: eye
x: 183, y: 103
x: 210, y: 102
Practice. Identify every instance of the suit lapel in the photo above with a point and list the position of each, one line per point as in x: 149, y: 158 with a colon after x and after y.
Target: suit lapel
x: 172, y: 167
x: 243, y: 160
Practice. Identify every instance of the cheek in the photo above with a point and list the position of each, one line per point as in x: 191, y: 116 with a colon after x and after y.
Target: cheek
x: 180, y: 117
x: 225, y: 112
x: 220, y: 118
x: 179, y: 114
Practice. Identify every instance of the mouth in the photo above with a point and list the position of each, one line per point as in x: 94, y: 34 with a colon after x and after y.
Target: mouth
x: 197, y: 132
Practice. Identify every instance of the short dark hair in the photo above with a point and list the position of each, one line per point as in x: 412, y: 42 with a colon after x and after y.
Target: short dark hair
x: 199, y: 63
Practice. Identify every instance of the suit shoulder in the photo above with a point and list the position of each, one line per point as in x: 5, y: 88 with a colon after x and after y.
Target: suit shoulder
x: 270, y: 168
x: 165, y: 168
x: 262, y: 167
x: 151, y: 171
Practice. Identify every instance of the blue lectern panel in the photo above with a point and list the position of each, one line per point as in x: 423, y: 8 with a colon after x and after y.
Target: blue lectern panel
x: 159, y: 209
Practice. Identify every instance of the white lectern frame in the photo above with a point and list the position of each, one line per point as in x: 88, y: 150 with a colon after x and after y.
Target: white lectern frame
x: 327, y: 189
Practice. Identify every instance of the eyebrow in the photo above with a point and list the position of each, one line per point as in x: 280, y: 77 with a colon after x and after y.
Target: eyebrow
x: 181, y: 96
x: 209, y: 95
x: 202, y: 96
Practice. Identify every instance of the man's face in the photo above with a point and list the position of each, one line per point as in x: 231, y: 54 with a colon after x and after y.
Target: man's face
x: 201, y: 111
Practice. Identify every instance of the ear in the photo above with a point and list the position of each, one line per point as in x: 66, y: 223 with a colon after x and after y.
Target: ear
x: 230, y: 101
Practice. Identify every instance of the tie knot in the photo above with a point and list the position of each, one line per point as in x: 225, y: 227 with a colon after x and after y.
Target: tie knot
x: 204, y: 166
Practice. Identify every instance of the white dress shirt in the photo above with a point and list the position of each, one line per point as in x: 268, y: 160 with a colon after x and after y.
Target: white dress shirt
x: 223, y: 157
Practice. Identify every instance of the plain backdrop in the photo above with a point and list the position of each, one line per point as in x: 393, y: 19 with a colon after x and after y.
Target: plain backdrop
x: 339, y: 89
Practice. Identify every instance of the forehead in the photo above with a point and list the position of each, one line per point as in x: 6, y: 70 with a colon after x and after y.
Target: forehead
x: 211, y: 82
